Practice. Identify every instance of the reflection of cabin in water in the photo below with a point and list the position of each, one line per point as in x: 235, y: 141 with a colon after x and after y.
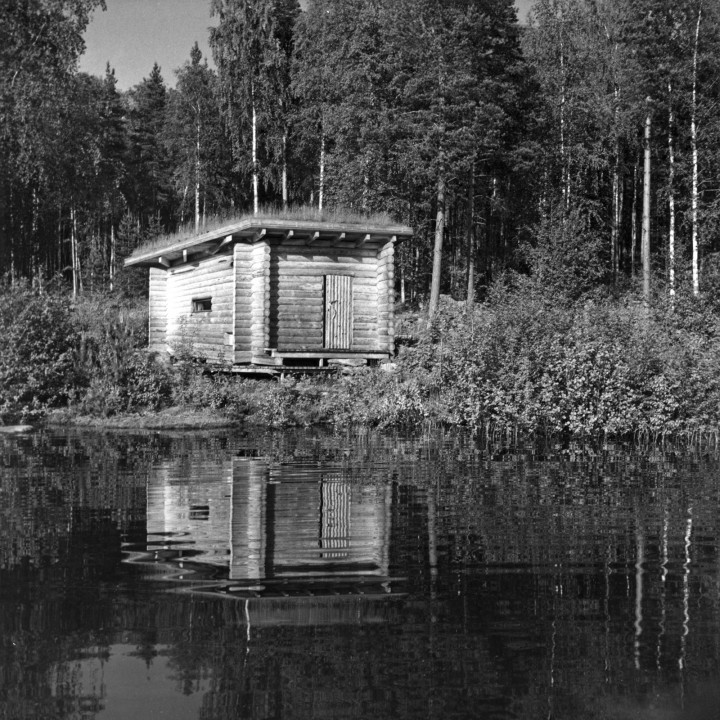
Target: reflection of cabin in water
x: 275, y: 292
x: 272, y: 522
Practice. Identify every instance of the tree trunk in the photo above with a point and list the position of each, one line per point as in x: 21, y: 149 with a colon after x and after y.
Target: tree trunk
x: 470, y: 239
x: 565, y: 169
x: 616, y: 191
x: 321, y: 188
x: 633, y: 225
x: 671, y: 200
x: 197, y: 178
x: 284, y: 171
x: 75, y: 255
x: 112, y: 256
x: 255, y: 180
x: 437, y: 251
x: 693, y: 140
x: 645, y: 239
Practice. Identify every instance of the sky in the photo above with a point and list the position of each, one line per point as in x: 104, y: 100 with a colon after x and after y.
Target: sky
x: 133, y: 34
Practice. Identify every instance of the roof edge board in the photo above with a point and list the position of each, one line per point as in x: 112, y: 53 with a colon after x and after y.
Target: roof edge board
x: 249, y: 228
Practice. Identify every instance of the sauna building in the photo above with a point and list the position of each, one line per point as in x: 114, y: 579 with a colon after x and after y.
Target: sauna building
x: 273, y: 292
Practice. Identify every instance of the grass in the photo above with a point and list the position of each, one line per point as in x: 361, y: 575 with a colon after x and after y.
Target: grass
x: 301, y: 213
x: 172, y: 418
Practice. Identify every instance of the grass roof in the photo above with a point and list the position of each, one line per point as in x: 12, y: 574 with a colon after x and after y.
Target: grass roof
x: 302, y: 213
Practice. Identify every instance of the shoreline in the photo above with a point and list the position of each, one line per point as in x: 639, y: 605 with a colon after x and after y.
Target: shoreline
x: 172, y: 418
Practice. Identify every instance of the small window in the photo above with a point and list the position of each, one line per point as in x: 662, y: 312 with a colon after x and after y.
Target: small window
x: 199, y: 512
x: 201, y: 305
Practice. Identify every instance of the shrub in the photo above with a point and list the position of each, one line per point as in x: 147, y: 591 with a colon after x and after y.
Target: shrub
x: 38, y: 361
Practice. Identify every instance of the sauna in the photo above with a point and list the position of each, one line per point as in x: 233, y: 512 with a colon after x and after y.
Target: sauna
x: 266, y: 293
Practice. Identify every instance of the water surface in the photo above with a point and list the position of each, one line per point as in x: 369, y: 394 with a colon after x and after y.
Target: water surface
x: 356, y: 575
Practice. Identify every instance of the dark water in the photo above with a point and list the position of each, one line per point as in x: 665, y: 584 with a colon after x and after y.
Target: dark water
x: 311, y: 575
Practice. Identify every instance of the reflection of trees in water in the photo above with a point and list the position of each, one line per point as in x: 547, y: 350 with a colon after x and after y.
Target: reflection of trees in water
x: 597, y: 566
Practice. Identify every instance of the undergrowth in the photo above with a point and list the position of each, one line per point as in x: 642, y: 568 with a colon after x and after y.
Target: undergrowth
x: 522, y: 363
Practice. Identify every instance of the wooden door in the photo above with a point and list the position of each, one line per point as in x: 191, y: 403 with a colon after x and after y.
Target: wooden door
x: 338, y: 312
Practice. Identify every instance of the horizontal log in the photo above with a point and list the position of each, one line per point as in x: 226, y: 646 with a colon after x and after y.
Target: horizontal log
x: 296, y: 283
x: 290, y: 324
x: 325, y: 268
x: 307, y: 337
x: 298, y: 296
x: 288, y: 260
x: 198, y: 272
x: 313, y: 252
x: 184, y: 302
x: 202, y: 289
x: 309, y: 301
x: 319, y: 270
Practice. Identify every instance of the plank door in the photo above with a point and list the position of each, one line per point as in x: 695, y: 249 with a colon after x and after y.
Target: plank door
x: 338, y: 312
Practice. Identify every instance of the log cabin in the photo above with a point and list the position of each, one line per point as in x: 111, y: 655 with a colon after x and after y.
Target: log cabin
x: 269, y: 292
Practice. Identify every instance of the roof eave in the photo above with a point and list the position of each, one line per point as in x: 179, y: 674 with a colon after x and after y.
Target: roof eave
x: 252, y: 230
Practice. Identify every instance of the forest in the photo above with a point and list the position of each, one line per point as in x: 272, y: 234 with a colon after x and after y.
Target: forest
x: 565, y: 169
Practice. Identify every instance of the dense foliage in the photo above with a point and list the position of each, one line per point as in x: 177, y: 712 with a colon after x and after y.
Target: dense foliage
x: 524, y: 362
x: 38, y: 356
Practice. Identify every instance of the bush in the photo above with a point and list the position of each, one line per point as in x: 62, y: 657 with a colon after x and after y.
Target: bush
x: 526, y: 362
x: 38, y: 360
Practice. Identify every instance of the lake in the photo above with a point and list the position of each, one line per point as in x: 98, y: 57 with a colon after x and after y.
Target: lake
x: 307, y: 574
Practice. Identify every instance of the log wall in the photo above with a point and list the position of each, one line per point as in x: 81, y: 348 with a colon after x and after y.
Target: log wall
x: 157, y: 310
x: 210, y: 334
x: 296, y: 282
x: 242, y: 321
x: 386, y: 297
x: 260, y: 310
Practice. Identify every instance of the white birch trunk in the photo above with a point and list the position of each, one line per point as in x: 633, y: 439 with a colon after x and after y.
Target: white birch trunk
x: 112, y: 256
x: 437, y: 251
x: 693, y: 141
x: 633, y: 225
x: 321, y: 188
x: 75, y: 255
x: 284, y: 170
x: 645, y: 238
x: 197, y: 177
x: 671, y: 200
x: 563, y: 159
x: 256, y: 207
x: 470, y: 234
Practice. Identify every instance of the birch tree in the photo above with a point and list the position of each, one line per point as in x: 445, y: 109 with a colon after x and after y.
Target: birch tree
x: 194, y: 137
x: 252, y: 53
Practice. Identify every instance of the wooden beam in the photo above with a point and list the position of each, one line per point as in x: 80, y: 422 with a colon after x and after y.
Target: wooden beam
x: 185, y: 255
x: 363, y: 240
x: 313, y: 238
x: 259, y: 235
x: 225, y: 241
x: 164, y: 262
x: 289, y: 234
x: 340, y: 237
